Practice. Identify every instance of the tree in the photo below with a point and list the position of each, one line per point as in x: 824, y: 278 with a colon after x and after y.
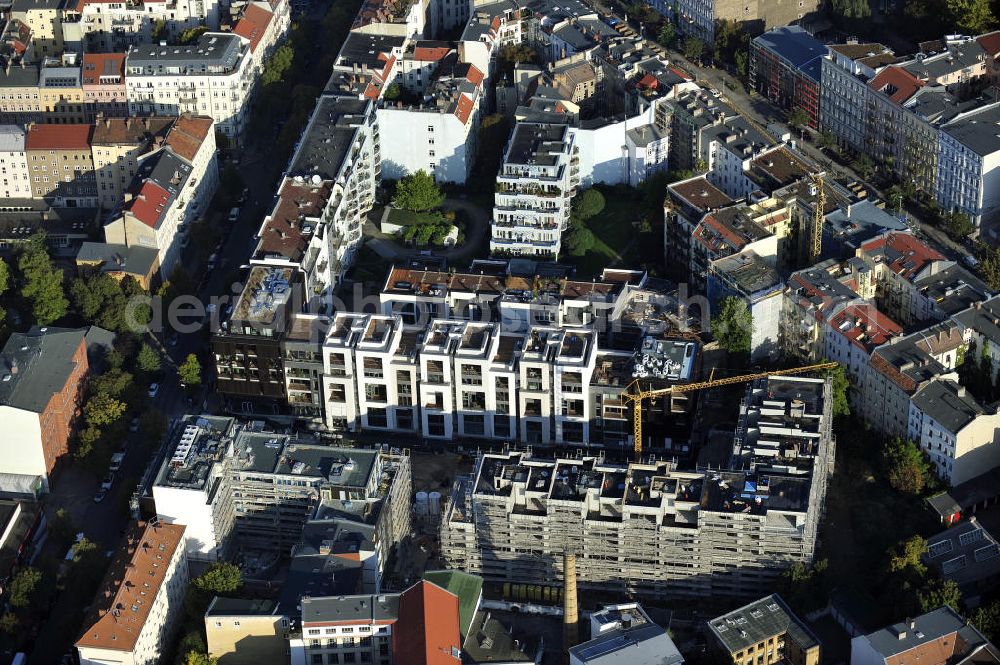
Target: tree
x: 798, y: 118
x: 588, y: 204
x: 579, y: 240
x: 732, y: 327
x: 4, y: 276
x: 667, y: 35
x: 190, y: 371
x: 113, y: 382
x: 191, y: 35
x: 851, y: 9
x: 220, y: 578
x: 102, y: 410
x: 418, y: 192
x: 42, y: 282
x: 906, y: 556
x: 148, y: 359
x: 937, y: 593
x: 957, y: 225
x: 158, y: 28
x: 905, y: 466
x: 9, y: 623
x: 864, y: 166
x: 972, y: 17
x: 392, y: 93
x: 693, y: 48
x: 199, y: 658
x: 989, y: 268
x: 23, y: 586
x: 61, y: 528
x: 277, y: 65
x: 741, y: 58
x: 88, y: 438
x: 986, y: 619
x: 841, y: 405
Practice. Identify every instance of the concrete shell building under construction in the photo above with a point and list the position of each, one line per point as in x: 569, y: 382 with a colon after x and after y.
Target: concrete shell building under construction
x: 647, y: 528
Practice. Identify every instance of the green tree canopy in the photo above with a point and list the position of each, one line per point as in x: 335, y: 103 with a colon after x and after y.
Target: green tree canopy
x: 392, y: 93
x: 102, y: 410
x: 418, y: 192
x: 4, y: 276
x: 199, y: 658
x: 733, y: 326
x: 190, y: 371
x: 588, y: 204
x: 906, y: 556
x: 986, y: 619
x: 42, y: 282
x: 667, y: 35
x: 23, y: 587
x: 905, y: 466
x: 277, y: 65
x: 938, y: 592
x: 148, y: 359
x: 957, y: 225
x: 693, y: 48
x: 841, y: 386
x: 851, y: 9
x: 191, y: 35
x: 972, y: 17
x: 220, y: 578
x: 579, y: 240
x: 798, y: 118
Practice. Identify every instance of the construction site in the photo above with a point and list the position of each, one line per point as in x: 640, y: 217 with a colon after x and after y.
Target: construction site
x: 653, y: 528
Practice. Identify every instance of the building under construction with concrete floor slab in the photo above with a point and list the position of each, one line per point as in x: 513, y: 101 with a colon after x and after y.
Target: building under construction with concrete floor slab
x: 648, y: 528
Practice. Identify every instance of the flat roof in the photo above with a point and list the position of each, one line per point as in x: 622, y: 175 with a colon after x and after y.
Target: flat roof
x: 331, y: 131
x: 36, y: 366
x: 758, y: 621
x: 536, y: 143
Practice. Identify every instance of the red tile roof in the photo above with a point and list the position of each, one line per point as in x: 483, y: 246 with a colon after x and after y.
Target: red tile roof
x: 428, y: 628
x: 96, y: 65
x: 648, y: 81
x: 990, y: 43
x: 887, y: 369
x: 902, y: 253
x: 126, y: 595
x: 463, y: 108
x: 430, y: 53
x: 283, y: 233
x: 188, y: 134
x: 897, y: 83
x: 253, y: 24
x: 58, y: 137
x: 474, y: 75
x: 865, y: 326
x: 147, y: 206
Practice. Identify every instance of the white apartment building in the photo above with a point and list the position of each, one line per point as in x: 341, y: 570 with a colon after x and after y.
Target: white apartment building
x: 844, y: 72
x: 460, y: 379
x: 968, y: 164
x: 491, y: 26
x: 140, y: 599
x: 214, y: 77
x: 315, y: 224
x: 115, y: 26
x: 264, y: 25
x: 981, y: 330
x: 960, y: 435
x: 15, y: 177
x: 172, y: 188
x: 439, y: 134
x: 187, y: 485
x: 535, y: 187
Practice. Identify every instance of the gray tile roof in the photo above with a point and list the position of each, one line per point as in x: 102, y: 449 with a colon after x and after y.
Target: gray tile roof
x: 796, y: 47
x: 43, y: 360
x: 977, y: 130
x: 645, y: 644
x: 931, y: 627
x: 213, y: 53
x: 758, y: 621
x: 949, y: 404
x: 332, y: 130
x: 350, y: 608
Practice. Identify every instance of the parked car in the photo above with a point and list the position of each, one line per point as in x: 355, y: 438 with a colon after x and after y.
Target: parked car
x: 154, y: 388
x: 213, y: 261
x: 971, y: 261
x: 234, y: 214
x: 116, y: 461
x: 133, y: 425
x: 101, y: 493
x: 108, y: 482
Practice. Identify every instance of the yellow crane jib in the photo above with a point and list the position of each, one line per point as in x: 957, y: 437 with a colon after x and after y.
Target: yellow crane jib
x: 635, y: 395
x: 818, y: 214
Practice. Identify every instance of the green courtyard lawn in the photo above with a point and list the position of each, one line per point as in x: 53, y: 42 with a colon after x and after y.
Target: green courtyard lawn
x: 619, y: 232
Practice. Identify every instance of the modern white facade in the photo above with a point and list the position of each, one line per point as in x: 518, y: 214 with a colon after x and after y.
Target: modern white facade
x: 213, y: 77
x: 535, y: 186
x: 15, y: 180
x: 115, y: 26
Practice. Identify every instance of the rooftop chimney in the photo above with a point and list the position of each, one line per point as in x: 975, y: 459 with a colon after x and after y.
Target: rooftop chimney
x: 571, y: 629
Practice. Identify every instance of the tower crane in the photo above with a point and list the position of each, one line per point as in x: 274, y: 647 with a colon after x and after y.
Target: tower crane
x: 635, y: 394
x: 818, y: 215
